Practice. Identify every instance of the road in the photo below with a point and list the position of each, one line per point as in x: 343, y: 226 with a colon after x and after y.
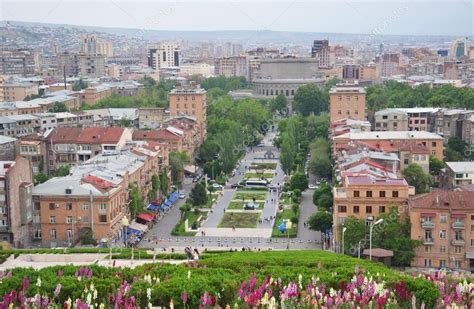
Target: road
x: 226, y: 239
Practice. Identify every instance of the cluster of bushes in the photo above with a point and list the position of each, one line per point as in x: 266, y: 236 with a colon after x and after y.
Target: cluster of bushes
x: 217, y: 274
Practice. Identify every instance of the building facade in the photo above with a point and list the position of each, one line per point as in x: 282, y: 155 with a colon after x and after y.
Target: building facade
x: 346, y: 101
x: 391, y: 120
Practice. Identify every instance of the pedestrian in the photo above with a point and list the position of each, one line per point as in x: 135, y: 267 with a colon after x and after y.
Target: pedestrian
x: 196, y: 257
x: 189, y: 254
x: 224, y: 209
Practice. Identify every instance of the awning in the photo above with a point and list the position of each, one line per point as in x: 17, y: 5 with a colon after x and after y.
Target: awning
x: 145, y: 217
x: 156, y: 202
x: 428, y: 214
x: 131, y: 231
x: 152, y: 207
x: 458, y: 215
x: 191, y: 169
x: 137, y: 226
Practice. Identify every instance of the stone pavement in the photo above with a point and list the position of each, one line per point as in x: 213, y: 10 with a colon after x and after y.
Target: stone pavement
x: 238, y: 232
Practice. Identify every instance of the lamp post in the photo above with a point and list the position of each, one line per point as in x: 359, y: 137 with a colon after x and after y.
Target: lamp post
x: 370, y: 235
x: 125, y: 224
x: 343, y: 232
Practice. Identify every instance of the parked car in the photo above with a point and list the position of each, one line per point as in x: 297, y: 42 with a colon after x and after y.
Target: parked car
x: 261, y: 145
x: 446, y: 270
x: 217, y: 186
x: 182, y: 196
x: 313, y: 186
x: 195, y: 179
x: 235, y: 186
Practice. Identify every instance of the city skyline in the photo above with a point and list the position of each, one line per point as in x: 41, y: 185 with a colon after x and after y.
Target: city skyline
x: 452, y: 17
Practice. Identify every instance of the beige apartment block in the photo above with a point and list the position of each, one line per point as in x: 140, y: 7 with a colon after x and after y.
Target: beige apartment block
x: 347, y: 101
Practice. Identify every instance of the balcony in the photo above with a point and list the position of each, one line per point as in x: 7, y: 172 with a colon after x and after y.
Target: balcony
x: 458, y: 242
x: 457, y: 225
x: 427, y: 225
x: 428, y: 241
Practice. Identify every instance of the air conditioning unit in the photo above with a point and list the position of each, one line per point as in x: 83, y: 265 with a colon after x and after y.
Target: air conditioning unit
x: 57, y: 205
x: 452, y: 258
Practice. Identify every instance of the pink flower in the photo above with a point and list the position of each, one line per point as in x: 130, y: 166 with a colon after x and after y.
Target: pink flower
x: 57, y: 290
x: 184, y: 297
x: 26, y: 283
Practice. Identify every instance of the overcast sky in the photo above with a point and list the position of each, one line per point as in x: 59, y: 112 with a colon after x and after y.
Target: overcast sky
x: 415, y: 17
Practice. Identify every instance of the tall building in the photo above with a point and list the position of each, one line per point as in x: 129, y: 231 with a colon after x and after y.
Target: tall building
x: 18, y: 91
x: 321, y: 51
x: 231, y: 66
x: 16, y: 212
x: 388, y: 64
x: 91, y: 65
x: 1, y: 89
x: 105, y: 48
x: 459, y: 48
x: 190, y: 101
x: 347, y: 101
x: 17, y: 62
x: 67, y: 64
x: 164, y: 55
x: 89, y: 44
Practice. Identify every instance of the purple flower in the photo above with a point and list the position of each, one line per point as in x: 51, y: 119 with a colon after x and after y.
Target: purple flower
x: 57, y: 290
x: 26, y: 283
x: 184, y: 297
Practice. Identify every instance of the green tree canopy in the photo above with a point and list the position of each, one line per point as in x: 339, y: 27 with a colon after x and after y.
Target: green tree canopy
x: 198, y: 194
x: 310, y: 99
x: 299, y: 181
x: 436, y: 166
x: 415, y: 176
x: 320, y: 221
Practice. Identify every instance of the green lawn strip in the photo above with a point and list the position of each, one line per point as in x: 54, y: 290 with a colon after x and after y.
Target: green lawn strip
x: 179, y: 229
x: 239, y: 220
x: 249, y: 195
x: 259, y: 176
x: 267, y: 166
x: 240, y: 205
x: 285, y: 214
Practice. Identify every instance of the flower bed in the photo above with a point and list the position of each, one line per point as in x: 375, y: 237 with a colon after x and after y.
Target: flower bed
x: 289, y: 279
x: 239, y: 220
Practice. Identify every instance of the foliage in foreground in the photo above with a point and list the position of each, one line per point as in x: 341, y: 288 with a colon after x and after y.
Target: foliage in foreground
x: 290, y: 279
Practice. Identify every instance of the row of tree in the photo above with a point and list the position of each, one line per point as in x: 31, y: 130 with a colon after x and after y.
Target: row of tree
x: 392, y: 94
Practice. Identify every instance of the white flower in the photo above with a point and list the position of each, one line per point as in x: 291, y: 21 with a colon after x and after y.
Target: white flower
x: 332, y: 292
x: 38, y: 282
x: 189, y: 274
x: 148, y: 293
x: 95, y: 294
x: 89, y: 298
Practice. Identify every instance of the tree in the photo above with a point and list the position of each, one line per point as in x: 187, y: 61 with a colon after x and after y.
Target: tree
x: 309, y: 99
x: 79, y: 85
x: 325, y: 201
x: 287, y: 153
x: 184, y: 209
x: 324, y: 189
x: 320, y: 221
x: 58, y: 107
x: 299, y: 181
x: 415, y: 176
x: 177, y: 161
x: 279, y: 103
x: 136, y: 203
x: 436, y: 166
x: 198, y: 194
x: 457, y: 144
x: 62, y: 171
x: 164, y: 181
x: 356, y: 231
x: 320, y: 163
x: 155, y: 182
x: 453, y: 155
x: 41, y: 177
x: 124, y: 122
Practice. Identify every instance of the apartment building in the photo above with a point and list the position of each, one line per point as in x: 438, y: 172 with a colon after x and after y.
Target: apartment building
x: 444, y: 223
x: 70, y: 146
x: 391, y: 119
x: 365, y: 196
x: 321, y: 51
x: 419, y: 118
x: 411, y: 152
x: 94, y: 198
x: 151, y: 117
x: 231, y: 66
x: 91, y: 65
x: 92, y: 95
x: 459, y: 174
x: 168, y: 136
x: 18, y: 91
x: 16, y: 211
x: 382, y: 140
x: 19, y: 62
x: 189, y: 128
x: 346, y: 101
x: 164, y: 55
x: 1, y: 89
x: 190, y: 101
x: 8, y: 148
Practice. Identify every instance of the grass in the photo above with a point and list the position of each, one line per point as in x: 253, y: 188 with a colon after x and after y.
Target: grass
x: 240, y: 205
x: 267, y: 166
x: 179, y: 229
x: 240, y: 220
x: 259, y: 176
x: 258, y: 195
x: 285, y: 214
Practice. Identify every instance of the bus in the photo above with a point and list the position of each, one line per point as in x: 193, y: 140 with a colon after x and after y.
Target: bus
x: 256, y: 183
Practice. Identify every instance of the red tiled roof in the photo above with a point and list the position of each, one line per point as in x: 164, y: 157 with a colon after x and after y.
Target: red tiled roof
x: 444, y: 199
x: 86, y: 135
x: 384, y: 146
x: 99, y: 183
x: 156, y: 135
x: 413, y: 147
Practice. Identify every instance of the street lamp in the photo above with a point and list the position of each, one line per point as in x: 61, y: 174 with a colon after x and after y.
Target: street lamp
x: 370, y: 235
x: 343, y: 232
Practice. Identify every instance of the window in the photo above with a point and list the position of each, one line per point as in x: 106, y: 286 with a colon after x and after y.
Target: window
x: 368, y: 209
x: 472, y: 227
x: 69, y: 219
x: 427, y: 249
x: 69, y: 234
x: 442, y: 234
x: 3, y: 222
x: 85, y: 206
x: 342, y: 208
x: 382, y: 193
x: 427, y: 263
x: 405, y: 161
x: 101, y: 206
x: 458, y: 235
x: 52, y: 206
x: 433, y: 144
x: 37, y: 206
x: 457, y: 249
x: 394, y: 193
x: 85, y: 219
x: 356, y: 209
x: 443, y: 219
x: 356, y: 193
x: 457, y: 263
x: 52, y: 233
x: 442, y: 263
x: 68, y: 206
x: 442, y: 249
x: 369, y: 194
x: 102, y: 218
x: 428, y: 235
x: 472, y: 242
x: 52, y: 219
x: 381, y: 209
x: 37, y: 234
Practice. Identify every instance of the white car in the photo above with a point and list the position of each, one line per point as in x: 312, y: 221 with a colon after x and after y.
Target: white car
x: 313, y: 187
x: 182, y: 196
x: 217, y: 186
